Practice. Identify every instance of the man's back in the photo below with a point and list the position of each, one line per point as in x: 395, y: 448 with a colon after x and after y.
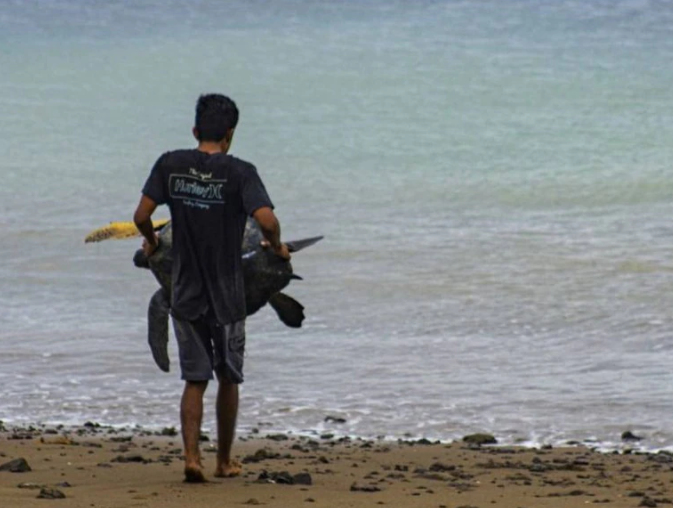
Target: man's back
x: 210, y: 197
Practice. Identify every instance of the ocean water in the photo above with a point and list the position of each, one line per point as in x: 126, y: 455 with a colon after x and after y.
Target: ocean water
x: 493, y: 179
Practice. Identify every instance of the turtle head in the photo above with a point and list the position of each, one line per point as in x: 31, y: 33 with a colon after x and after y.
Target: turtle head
x: 140, y: 260
x: 161, y: 261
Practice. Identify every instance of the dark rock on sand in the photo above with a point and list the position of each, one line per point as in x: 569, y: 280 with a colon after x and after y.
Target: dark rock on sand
x: 426, y: 442
x: 422, y: 441
x: 431, y: 476
x: 334, y: 419
x: 439, y: 467
x: 285, y: 478
x: 30, y: 485
x: 16, y: 466
x: 649, y: 502
x: 630, y: 436
x: 364, y: 488
x: 91, y: 445
x: 302, y: 479
x: 282, y: 477
x: 261, y: 455
x: 121, y: 439
x: 277, y: 437
x: 17, y: 436
x: 662, y: 457
x: 131, y: 458
x: 480, y: 439
x: 47, y: 493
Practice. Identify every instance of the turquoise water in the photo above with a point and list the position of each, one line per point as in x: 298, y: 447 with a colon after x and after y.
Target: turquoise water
x: 493, y: 180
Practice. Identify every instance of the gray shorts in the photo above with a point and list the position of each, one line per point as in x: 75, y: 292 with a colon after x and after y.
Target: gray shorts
x: 206, y: 345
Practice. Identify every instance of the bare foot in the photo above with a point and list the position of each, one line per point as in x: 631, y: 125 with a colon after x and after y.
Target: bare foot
x: 228, y: 470
x: 193, y: 474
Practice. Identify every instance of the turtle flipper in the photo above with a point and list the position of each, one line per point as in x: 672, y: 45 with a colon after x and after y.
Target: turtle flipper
x: 157, y: 324
x: 297, y: 245
x: 120, y: 230
x: 289, y: 310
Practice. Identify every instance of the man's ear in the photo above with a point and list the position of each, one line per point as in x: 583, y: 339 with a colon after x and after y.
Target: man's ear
x: 230, y: 135
x: 195, y: 132
x: 225, y: 144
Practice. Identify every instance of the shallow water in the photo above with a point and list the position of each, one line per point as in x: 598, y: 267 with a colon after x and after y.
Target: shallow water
x: 493, y: 181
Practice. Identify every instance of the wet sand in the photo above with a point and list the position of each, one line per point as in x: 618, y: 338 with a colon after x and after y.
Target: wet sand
x: 105, y: 468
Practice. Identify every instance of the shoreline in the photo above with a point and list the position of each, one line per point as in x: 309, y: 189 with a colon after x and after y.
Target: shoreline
x: 627, y: 442
x: 104, y: 468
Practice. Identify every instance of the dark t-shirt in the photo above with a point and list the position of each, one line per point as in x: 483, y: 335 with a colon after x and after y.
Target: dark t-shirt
x: 210, y: 198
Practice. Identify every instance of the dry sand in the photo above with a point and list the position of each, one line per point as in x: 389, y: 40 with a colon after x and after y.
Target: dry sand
x: 101, y: 468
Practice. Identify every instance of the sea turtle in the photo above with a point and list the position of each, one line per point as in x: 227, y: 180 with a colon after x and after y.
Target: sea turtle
x: 265, y: 275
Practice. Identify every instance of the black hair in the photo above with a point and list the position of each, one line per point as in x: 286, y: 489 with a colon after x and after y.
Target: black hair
x: 215, y: 115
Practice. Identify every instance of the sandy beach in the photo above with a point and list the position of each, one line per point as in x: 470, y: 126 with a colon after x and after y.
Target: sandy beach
x: 93, y: 466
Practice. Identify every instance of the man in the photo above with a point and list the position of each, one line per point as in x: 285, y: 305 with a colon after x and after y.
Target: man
x: 210, y: 195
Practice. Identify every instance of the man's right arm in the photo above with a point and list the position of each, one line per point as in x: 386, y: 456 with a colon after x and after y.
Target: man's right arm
x: 153, y: 194
x: 268, y: 223
x: 143, y: 220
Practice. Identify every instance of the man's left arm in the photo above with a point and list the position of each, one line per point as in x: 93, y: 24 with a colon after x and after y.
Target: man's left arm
x: 257, y: 204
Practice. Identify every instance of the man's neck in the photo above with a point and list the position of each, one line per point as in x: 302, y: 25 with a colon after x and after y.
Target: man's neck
x: 210, y: 147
